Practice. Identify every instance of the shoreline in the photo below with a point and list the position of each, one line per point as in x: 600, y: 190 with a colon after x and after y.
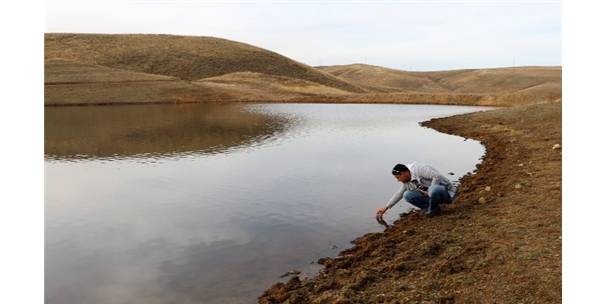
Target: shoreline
x: 269, y: 102
x: 506, y: 100
x: 502, y: 236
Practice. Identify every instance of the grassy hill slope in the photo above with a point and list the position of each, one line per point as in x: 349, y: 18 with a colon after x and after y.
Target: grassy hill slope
x: 498, y: 80
x: 258, y: 86
x: 60, y: 71
x: 477, y: 81
x: 380, y: 79
x: 68, y: 82
x: 135, y: 68
x: 184, y: 57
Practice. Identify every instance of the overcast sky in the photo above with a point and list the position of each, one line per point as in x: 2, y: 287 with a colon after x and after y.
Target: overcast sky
x: 410, y: 35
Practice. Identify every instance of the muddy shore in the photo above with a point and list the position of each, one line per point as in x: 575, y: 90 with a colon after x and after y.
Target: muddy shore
x: 500, y: 242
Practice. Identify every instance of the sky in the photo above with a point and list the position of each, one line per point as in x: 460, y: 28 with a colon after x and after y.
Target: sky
x: 409, y: 35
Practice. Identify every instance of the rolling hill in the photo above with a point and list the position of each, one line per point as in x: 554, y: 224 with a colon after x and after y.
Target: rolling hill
x: 380, y: 79
x: 137, y: 68
x: 183, y: 57
x: 478, y: 81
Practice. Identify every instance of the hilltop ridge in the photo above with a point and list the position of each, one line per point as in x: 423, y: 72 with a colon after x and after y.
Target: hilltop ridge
x: 184, y: 57
x: 482, y: 81
x: 144, y: 68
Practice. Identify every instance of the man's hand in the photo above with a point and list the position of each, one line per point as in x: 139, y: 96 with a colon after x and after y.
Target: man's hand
x: 379, y: 217
x: 380, y: 212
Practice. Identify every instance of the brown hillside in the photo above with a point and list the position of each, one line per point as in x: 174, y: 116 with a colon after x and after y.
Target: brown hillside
x: 499, y: 80
x: 184, y: 57
x: 382, y: 79
x: 60, y: 71
x: 73, y: 83
x: 544, y: 80
x: 258, y: 86
x: 130, y: 92
x: 118, y: 69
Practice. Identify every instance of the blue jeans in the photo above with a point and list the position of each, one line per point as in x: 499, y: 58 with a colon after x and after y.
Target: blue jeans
x: 437, y: 195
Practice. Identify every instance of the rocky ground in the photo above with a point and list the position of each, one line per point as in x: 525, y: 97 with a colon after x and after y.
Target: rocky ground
x: 500, y: 242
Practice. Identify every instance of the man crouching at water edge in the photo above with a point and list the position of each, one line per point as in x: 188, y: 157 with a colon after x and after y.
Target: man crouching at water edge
x: 423, y: 187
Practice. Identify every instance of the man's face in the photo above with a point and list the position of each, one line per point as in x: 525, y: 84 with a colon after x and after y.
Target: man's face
x: 403, y: 177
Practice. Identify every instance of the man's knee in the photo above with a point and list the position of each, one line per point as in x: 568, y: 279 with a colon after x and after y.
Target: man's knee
x: 409, y: 196
x: 439, y: 194
x: 434, y: 191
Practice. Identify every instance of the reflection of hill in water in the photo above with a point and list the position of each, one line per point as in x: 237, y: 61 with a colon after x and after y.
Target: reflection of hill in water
x: 131, y: 130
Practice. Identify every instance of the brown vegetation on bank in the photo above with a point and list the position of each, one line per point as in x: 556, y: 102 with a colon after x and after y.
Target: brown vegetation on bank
x: 500, y: 242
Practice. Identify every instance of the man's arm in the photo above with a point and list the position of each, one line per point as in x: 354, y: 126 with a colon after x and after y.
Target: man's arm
x: 396, y: 197
x: 394, y: 200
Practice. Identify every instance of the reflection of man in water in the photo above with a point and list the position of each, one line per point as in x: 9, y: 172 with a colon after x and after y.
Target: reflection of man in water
x: 422, y: 186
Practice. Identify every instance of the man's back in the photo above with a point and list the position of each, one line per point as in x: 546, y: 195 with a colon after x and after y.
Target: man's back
x: 428, y: 176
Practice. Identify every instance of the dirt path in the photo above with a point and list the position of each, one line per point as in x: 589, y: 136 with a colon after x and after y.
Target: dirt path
x: 499, y: 243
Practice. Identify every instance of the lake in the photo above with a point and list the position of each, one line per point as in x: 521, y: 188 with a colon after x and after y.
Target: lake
x: 212, y: 203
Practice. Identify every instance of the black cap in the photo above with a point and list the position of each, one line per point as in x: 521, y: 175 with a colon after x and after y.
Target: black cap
x: 399, y: 168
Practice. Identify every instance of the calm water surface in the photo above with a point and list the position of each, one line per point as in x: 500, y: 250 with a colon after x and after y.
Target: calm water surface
x: 212, y: 203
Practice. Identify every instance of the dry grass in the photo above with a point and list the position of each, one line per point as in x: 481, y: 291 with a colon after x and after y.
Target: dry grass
x: 110, y: 69
x: 131, y: 92
x: 380, y: 79
x: 472, y: 81
x: 73, y: 83
x: 184, y: 57
x: 502, y: 80
x: 257, y: 86
x: 58, y: 71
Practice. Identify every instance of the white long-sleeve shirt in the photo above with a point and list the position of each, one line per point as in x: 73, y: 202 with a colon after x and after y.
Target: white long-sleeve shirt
x: 422, y: 176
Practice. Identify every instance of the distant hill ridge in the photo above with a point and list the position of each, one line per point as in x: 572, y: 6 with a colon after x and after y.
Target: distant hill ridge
x: 143, y: 68
x: 480, y: 81
x: 184, y: 57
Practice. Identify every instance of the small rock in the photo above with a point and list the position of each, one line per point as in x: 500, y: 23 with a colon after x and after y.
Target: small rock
x: 451, y: 173
x: 482, y: 200
x: 487, y: 188
x: 291, y: 273
x: 518, y: 186
x: 556, y: 147
x: 521, y: 165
